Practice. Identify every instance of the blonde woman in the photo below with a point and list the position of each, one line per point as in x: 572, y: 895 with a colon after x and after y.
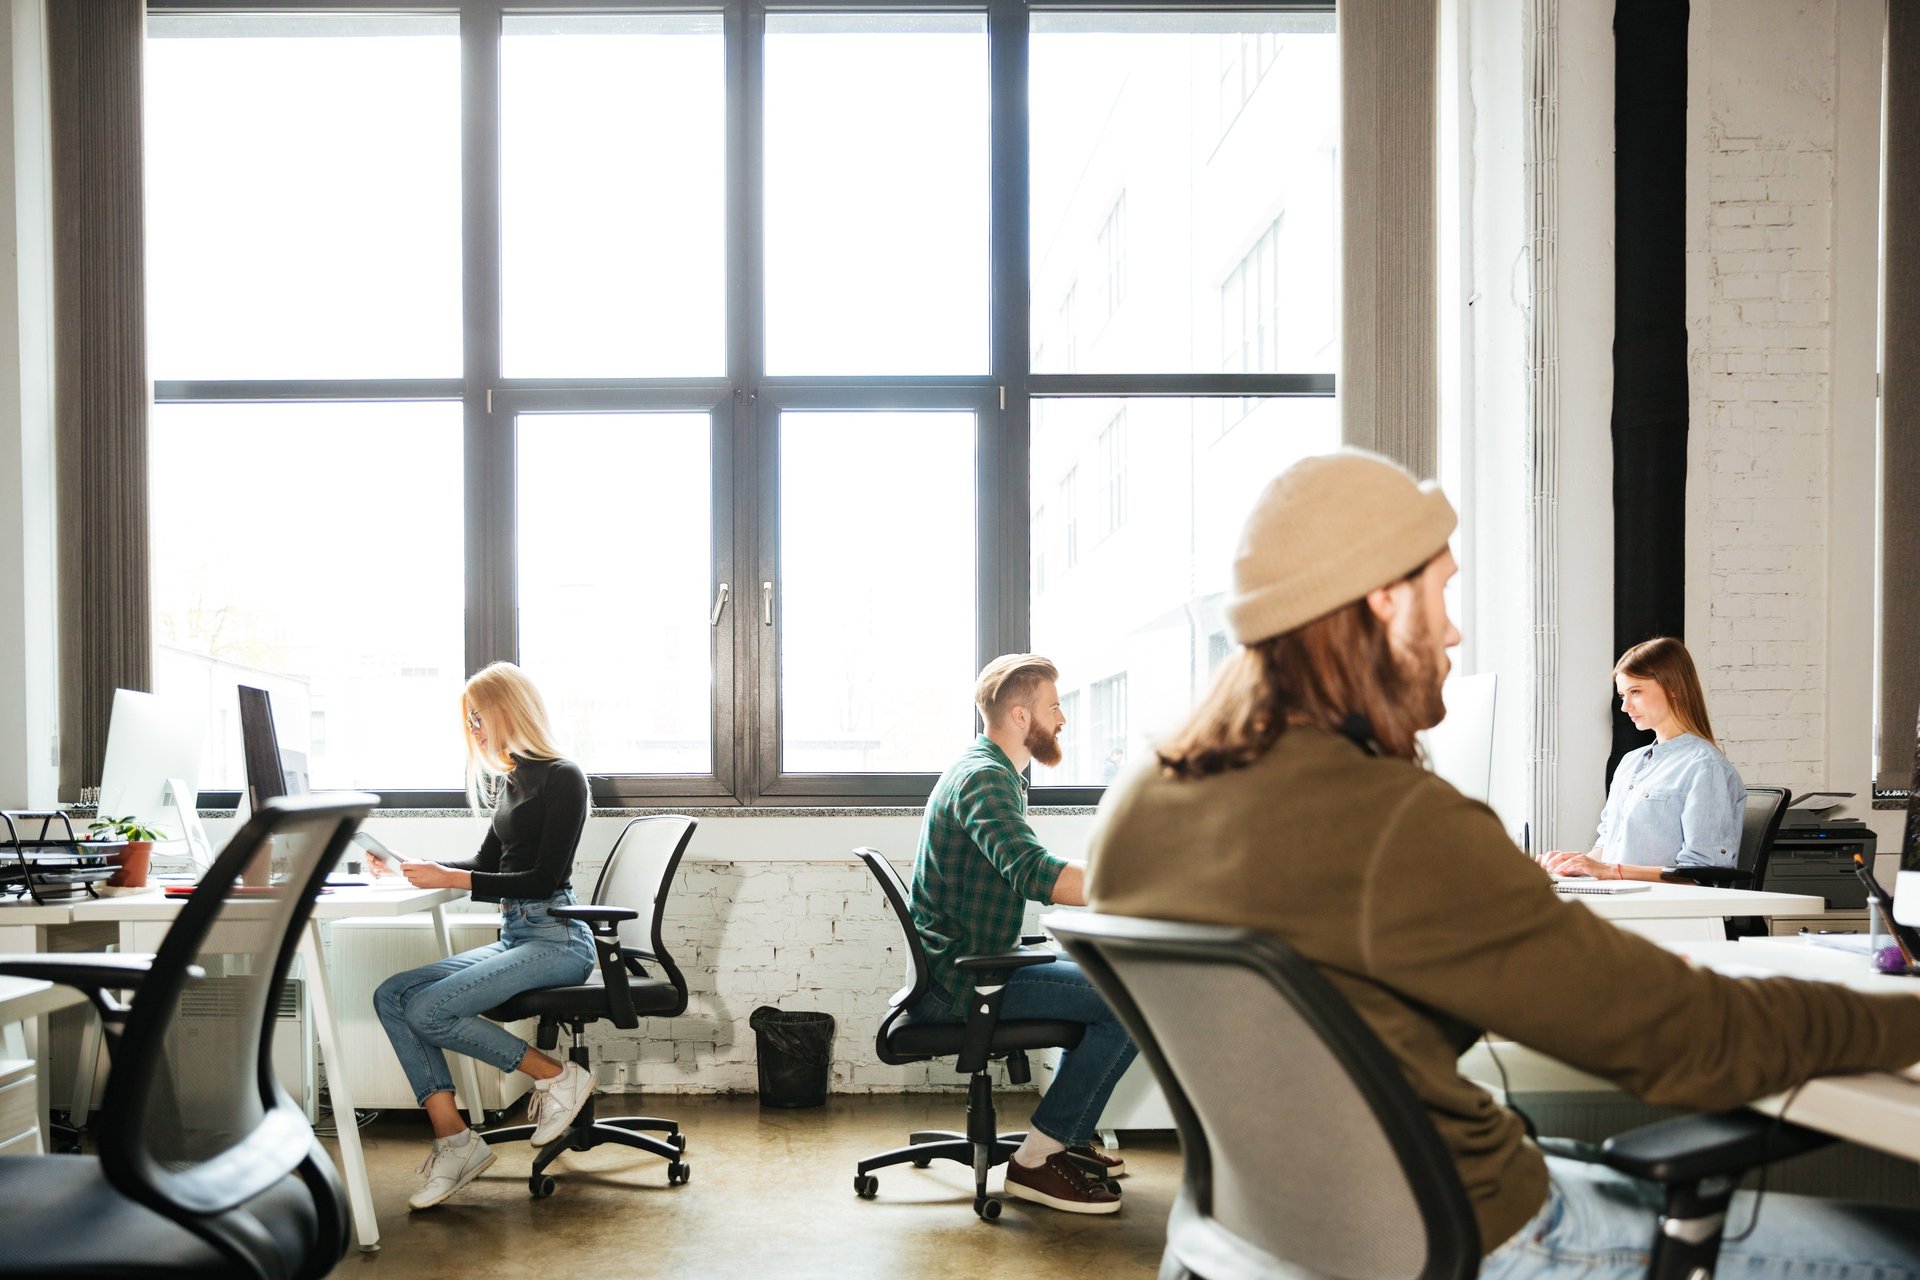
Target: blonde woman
x: 1676, y: 801
x: 525, y: 864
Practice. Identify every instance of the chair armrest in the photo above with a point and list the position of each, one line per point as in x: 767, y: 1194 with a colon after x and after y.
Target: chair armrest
x: 596, y: 915
x: 983, y: 1011
x: 1005, y: 961
x: 1713, y: 877
x: 88, y: 972
x: 94, y: 974
x: 1717, y: 1144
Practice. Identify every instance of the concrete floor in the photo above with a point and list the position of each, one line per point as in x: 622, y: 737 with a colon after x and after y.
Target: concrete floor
x: 771, y: 1195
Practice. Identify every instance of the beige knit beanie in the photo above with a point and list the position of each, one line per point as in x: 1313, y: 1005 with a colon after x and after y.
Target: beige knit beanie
x: 1325, y: 532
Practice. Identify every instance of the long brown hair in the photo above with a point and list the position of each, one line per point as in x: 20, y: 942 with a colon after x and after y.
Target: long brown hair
x: 1666, y: 662
x: 1320, y: 674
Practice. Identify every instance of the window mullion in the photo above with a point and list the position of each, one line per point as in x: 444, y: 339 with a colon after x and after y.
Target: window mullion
x: 488, y: 453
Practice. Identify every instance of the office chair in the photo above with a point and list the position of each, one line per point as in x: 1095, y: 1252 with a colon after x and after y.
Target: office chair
x: 1308, y: 1154
x: 973, y: 1044
x: 206, y: 1167
x: 633, y: 886
x: 1759, y: 824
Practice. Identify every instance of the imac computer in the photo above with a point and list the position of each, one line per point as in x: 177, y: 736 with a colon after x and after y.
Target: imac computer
x: 1906, y: 892
x: 1460, y: 747
x: 152, y: 769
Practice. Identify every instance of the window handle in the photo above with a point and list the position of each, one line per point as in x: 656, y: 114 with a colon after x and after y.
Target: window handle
x: 766, y: 603
x: 719, y: 606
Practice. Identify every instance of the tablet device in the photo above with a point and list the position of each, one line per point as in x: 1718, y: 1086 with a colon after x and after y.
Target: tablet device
x: 372, y: 844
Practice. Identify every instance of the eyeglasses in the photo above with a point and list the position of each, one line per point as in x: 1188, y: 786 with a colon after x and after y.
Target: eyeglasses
x: 473, y: 720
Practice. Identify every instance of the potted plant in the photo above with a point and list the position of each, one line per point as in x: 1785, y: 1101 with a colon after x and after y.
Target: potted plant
x: 136, y: 854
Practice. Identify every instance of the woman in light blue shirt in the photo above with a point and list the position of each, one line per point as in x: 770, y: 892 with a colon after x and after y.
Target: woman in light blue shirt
x: 1674, y: 802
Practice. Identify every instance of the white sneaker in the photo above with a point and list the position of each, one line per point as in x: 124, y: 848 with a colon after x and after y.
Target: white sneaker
x: 553, y: 1104
x: 448, y: 1168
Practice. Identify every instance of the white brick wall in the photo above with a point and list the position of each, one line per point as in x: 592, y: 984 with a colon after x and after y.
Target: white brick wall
x: 1759, y: 364
x: 796, y: 935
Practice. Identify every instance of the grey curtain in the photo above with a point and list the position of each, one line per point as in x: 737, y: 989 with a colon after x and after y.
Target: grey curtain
x: 1900, y: 406
x: 100, y: 371
x: 1389, y: 337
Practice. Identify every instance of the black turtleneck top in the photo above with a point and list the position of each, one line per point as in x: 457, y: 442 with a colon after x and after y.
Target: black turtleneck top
x: 528, y: 852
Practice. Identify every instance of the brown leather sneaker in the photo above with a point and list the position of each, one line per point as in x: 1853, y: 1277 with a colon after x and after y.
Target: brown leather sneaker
x: 1099, y: 1159
x: 1062, y: 1183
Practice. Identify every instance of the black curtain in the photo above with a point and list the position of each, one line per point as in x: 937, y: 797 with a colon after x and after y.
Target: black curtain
x: 100, y: 371
x: 1650, y: 332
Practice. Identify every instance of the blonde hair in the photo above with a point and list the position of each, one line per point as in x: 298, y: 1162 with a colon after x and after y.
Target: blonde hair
x: 516, y: 721
x: 1009, y: 681
x: 1666, y: 662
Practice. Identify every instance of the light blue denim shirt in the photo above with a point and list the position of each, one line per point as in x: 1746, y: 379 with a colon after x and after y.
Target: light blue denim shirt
x: 1673, y: 803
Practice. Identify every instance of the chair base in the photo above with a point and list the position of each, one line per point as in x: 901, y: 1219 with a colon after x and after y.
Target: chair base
x: 588, y: 1131
x: 980, y: 1148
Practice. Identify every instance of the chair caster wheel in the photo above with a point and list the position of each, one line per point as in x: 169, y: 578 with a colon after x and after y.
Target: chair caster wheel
x: 540, y: 1186
x: 678, y: 1172
x: 678, y: 1141
x: 866, y: 1186
x: 921, y: 1162
x: 988, y: 1208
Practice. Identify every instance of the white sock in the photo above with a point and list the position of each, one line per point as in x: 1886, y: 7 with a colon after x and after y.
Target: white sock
x: 551, y: 1081
x: 1034, y: 1151
x: 459, y: 1139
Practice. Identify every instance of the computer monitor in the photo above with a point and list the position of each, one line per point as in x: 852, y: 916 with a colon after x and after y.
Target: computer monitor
x: 152, y: 768
x: 1460, y: 747
x: 272, y: 770
x: 260, y: 747
x: 1906, y: 890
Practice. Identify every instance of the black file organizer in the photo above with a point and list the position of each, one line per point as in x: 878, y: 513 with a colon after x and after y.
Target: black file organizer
x: 50, y: 867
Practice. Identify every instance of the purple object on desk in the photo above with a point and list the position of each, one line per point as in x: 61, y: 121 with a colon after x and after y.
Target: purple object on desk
x: 1889, y: 960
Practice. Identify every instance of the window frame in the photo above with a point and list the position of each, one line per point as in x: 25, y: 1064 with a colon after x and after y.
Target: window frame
x: 744, y: 404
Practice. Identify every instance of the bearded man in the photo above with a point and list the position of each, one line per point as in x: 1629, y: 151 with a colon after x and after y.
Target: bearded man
x: 1293, y: 801
x: 978, y: 865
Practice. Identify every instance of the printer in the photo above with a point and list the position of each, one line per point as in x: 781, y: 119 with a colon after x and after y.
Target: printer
x: 1813, y: 854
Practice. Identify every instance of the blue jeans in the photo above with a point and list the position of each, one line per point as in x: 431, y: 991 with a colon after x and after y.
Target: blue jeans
x: 437, y: 1006
x: 1087, y: 1074
x: 1598, y: 1224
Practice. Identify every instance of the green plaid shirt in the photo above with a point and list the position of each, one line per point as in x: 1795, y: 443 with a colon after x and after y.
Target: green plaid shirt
x: 979, y: 863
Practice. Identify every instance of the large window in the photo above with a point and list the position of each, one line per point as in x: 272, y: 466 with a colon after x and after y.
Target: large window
x: 723, y: 366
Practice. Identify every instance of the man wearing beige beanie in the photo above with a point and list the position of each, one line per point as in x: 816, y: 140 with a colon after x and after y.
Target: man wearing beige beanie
x: 1294, y: 801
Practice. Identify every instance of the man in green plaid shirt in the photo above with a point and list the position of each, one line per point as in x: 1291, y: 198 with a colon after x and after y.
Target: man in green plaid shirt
x: 978, y: 866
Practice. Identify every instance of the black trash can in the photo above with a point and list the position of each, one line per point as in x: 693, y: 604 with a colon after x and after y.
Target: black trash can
x: 795, y: 1049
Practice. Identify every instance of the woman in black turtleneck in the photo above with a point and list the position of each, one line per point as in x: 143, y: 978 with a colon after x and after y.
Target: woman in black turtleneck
x: 539, y: 806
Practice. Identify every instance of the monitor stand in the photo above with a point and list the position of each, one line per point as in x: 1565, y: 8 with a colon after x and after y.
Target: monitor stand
x: 186, y: 807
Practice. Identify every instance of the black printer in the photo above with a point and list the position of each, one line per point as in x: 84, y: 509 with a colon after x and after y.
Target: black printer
x: 1815, y: 857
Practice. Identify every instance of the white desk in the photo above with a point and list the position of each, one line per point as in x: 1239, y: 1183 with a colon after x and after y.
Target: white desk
x: 24, y: 1006
x: 1689, y: 912
x: 143, y: 920
x: 1880, y: 1109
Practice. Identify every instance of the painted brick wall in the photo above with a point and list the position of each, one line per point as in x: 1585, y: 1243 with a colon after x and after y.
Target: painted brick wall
x: 1761, y: 250
x: 796, y: 935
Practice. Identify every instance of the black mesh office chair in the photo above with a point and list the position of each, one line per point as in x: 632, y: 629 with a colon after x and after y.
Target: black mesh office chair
x: 983, y: 1037
x: 633, y: 887
x: 1307, y: 1153
x: 1759, y: 824
x: 206, y: 1167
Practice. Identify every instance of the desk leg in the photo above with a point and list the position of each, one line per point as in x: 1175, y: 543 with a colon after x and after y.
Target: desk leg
x: 468, y: 1081
x: 313, y: 964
